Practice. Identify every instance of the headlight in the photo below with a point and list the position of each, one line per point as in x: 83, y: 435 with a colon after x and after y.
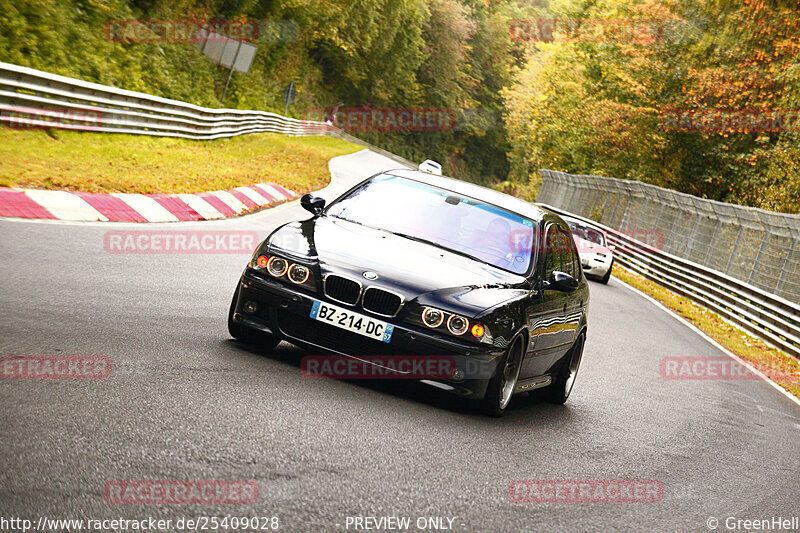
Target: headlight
x: 432, y: 318
x: 298, y: 274
x: 277, y: 266
x: 457, y: 325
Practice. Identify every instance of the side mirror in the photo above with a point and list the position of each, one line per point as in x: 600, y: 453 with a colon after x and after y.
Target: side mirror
x: 560, y: 281
x: 312, y: 204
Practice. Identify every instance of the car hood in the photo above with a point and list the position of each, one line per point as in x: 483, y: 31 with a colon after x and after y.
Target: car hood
x: 419, y: 271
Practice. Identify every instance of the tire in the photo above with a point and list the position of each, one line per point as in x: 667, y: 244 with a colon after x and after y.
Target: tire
x: 248, y: 335
x: 604, y: 279
x: 559, y: 391
x: 501, y: 386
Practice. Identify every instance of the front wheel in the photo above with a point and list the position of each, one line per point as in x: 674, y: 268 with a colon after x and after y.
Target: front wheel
x: 559, y: 391
x: 501, y: 387
x: 249, y: 335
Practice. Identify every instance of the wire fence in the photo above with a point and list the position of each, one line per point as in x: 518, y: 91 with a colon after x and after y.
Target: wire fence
x: 758, y: 247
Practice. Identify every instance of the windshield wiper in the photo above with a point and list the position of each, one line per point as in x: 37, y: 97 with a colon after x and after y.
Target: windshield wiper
x: 436, y: 244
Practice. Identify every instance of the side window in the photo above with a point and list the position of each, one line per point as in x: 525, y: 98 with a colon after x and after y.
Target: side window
x: 565, y: 248
x: 573, y: 258
x: 552, y: 258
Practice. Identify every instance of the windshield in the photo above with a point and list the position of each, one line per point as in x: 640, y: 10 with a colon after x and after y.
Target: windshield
x: 464, y: 225
x: 586, y: 233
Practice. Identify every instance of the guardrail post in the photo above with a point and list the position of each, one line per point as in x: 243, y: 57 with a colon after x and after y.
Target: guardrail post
x: 785, y: 270
x: 624, y: 220
x: 606, y: 199
x: 735, y: 249
x: 758, y: 257
x: 690, y: 241
x: 711, y: 242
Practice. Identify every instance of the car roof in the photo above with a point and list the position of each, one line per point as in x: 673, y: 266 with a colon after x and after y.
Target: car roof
x: 499, y: 199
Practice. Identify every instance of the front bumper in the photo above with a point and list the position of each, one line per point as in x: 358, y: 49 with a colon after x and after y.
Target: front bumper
x: 284, y: 311
x: 594, y: 265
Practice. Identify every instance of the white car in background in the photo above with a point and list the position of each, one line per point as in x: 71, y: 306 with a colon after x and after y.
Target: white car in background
x: 431, y: 166
x: 597, y: 256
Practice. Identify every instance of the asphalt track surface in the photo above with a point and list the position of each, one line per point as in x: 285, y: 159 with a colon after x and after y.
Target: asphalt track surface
x: 186, y: 402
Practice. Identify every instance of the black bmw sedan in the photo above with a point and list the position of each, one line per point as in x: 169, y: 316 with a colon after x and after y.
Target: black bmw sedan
x: 408, y: 264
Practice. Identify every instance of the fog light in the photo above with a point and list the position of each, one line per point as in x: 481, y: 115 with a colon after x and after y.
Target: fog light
x: 458, y: 375
x: 250, y: 307
x: 477, y: 331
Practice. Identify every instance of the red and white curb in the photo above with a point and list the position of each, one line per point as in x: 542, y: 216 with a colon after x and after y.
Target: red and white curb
x: 123, y: 207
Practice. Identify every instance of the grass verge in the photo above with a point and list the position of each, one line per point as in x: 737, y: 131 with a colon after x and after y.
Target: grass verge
x: 111, y: 162
x: 779, y: 366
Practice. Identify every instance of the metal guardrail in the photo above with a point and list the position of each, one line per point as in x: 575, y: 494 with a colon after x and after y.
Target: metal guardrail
x: 765, y: 315
x: 33, y: 98
x: 756, y: 246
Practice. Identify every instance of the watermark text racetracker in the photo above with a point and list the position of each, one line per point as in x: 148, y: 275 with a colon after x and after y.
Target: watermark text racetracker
x: 179, y: 242
x: 180, y: 30
x: 585, y: 491
x: 387, y: 118
x: 548, y: 30
x: 721, y: 368
x: 531, y: 239
x: 72, y: 117
x: 731, y: 120
x: 192, y: 523
x: 55, y: 367
x: 180, y: 492
x: 394, y: 367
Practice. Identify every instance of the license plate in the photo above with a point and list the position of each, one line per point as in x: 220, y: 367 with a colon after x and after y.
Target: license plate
x: 350, y: 321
